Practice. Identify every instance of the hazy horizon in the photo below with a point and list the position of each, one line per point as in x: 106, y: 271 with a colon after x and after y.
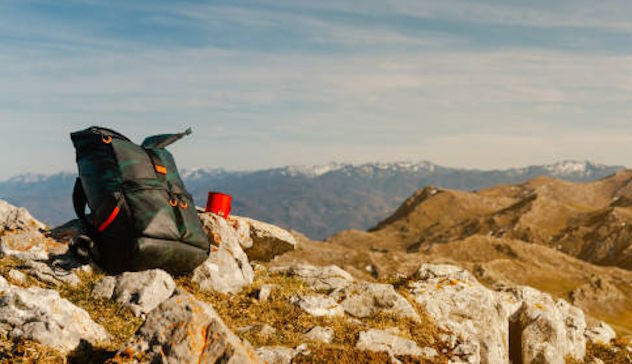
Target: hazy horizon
x: 485, y: 85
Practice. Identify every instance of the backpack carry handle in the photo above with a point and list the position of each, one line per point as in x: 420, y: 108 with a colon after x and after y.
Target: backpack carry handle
x: 163, y: 140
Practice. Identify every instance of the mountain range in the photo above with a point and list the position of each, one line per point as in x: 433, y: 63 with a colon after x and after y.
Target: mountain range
x: 318, y: 200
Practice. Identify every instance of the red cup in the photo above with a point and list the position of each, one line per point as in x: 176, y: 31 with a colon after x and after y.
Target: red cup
x: 218, y: 203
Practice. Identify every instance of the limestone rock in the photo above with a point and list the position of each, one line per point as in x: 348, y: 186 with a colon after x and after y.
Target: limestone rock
x: 276, y: 354
x: 53, y: 275
x: 14, y: 218
x: 549, y: 329
x: 17, y: 276
x: 185, y: 330
x: 326, y: 278
x: 262, y: 330
x: 264, y: 292
x: 460, y: 305
x: 389, y: 341
x: 318, y: 305
x: 31, y: 245
x: 42, y: 315
x: 600, y: 334
x: 320, y: 334
x: 104, y: 288
x: 262, y: 241
x: 227, y: 269
x: 140, y: 292
x: 367, y: 299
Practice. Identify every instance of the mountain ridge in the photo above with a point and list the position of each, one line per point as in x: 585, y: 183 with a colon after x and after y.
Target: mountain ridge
x: 317, y: 200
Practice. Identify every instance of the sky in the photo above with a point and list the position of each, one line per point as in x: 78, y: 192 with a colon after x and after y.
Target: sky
x: 475, y: 84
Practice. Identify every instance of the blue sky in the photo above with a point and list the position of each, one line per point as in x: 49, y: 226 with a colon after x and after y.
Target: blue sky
x: 485, y: 84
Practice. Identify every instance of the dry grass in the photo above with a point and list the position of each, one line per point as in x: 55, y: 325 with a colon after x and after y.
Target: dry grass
x: 290, y: 322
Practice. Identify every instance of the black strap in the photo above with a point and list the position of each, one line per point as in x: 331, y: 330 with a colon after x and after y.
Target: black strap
x: 79, y: 201
x: 84, y: 246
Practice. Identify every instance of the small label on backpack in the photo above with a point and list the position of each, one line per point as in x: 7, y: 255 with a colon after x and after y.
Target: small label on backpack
x: 161, y: 169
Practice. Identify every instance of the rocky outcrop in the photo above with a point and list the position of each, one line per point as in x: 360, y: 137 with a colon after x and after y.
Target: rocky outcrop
x: 262, y: 241
x: 140, y: 292
x: 546, y: 329
x: 14, y: 218
x: 474, y: 316
x: 367, y: 299
x: 42, y: 315
x: 185, y: 330
x: 227, y: 269
x: 328, y: 278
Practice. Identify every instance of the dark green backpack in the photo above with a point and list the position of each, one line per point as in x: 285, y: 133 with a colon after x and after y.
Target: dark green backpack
x: 142, y: 217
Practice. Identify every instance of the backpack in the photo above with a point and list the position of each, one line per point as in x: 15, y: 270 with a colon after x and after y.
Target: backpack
x: 142, y: 217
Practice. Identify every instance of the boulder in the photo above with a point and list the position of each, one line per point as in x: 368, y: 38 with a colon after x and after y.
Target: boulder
x: 318, y: 305
x: 42, y: 315
x: 227, y: 269
x: 262, y: 241
x: 600, y: 334
x: 31, y: 245
x: 185, y: 330
x: 549, y: 329
x: 474, y: 316
x: 320, y: 334
x: 14, y: 218
x: 367, y: 299
x: 388, y: 340
x: 327, y: 278
x: 140, y: 292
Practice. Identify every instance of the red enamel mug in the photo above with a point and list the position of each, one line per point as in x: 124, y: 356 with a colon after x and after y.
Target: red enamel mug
x: 218, y: 203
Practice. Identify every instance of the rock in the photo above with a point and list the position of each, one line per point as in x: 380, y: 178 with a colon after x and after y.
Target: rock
x: 3, y: 284
x: 140, y: 292
x: 262, y: 241
x: 31, y: 245
x: 104, y: 288
x: 326, y: 278
x: 56, y: 276
x: 42, y: 315
x: 389, y: 341
x: 262, y: 330
x: 185, y: 330
x: 17, y: 276
x: 227, y: 269
x: 264, y: 292
x: 549, y: 329
x: 474, y: 315
x: 276, y: 354
x: 367, y: 299
x: 600, y: 334
x: 14, y: 218
x: 320, y: 334
x: 318, y: 305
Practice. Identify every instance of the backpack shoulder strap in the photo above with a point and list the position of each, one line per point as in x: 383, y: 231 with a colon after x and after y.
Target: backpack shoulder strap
x: 163, y: 140
x: 79, y: 201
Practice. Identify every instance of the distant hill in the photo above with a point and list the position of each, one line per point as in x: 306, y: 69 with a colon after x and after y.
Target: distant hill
x: 318, y: 201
